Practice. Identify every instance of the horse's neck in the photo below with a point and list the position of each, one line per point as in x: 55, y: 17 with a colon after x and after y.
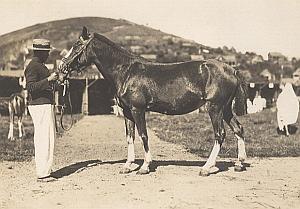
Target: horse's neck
x: 110, y: 61
x: 113, y: 63
x: 116, y: 72
x: 110, y: 54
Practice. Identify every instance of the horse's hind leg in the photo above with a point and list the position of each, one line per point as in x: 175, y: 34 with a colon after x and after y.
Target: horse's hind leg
x: 11, y: 123
x: 237, y: 129
x: 216, y: 116
x: 130, y: 136
x: 139, y: 118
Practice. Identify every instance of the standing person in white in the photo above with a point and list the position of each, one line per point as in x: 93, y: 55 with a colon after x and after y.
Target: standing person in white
x: 39, y: 85
x: 287, y: 108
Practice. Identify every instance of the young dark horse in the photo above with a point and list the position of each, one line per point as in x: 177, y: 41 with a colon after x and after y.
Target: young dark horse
x: 172, y: 89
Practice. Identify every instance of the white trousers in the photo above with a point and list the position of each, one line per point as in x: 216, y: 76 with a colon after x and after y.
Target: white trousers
x: 44, y: 137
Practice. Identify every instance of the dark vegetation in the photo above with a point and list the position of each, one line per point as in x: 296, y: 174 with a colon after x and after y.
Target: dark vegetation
x: 22, y: 149
x: 194, y: 131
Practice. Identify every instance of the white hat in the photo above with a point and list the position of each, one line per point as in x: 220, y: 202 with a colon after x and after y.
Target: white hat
x: 41, y: 44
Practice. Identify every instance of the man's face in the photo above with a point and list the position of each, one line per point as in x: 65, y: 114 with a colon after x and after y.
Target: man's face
x: 43, y: 55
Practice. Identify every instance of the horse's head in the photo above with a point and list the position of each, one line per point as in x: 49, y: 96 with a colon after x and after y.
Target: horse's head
x: 76, y: 58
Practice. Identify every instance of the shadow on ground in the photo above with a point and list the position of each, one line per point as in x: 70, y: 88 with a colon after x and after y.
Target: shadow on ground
x: 80, y: 166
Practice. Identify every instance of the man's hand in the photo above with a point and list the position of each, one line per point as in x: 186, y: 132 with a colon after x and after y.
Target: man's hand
x: 53, y: 77
x: 66, y: 83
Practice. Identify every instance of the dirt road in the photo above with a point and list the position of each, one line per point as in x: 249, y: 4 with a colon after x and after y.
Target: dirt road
x: 89, y: 157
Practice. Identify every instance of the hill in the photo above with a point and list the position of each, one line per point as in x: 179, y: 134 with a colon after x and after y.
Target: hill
x: 62, y: 33
x: 142, y: 40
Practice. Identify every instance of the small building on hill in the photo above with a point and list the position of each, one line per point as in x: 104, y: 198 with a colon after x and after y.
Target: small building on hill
x: 197, y: 57
x: 136, y: 49
x: 276, y: 57
x: 257, y: 59
x: 151, y: 57
x: 228, y: 59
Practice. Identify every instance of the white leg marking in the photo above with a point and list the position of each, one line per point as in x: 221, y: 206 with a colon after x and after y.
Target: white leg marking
x: 131, y: 155
x: 130, y: 152
x: 20, y: 128
x: 11, y: 130
x: 211, y: 162
x: 147, y: 161
x: 241, y: 149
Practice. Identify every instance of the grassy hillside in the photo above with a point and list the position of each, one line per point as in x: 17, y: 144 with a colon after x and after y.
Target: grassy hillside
x: 195, y: 132
x: 64, y: 32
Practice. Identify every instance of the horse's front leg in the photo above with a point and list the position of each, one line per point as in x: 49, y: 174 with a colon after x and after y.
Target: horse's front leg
x: 139, y: 118
x: 216, y: 116
x: 130, y: 136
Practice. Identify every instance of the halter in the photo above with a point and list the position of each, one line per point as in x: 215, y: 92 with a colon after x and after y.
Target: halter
x: 66, y: 70
x: 66, y: 93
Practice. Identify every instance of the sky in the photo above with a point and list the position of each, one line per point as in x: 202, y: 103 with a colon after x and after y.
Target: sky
x: 259, y: 26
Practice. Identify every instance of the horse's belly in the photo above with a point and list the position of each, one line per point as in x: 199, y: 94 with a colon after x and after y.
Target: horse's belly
x: 178, y: 106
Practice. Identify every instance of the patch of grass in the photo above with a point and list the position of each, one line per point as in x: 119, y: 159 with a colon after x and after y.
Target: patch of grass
x: 195, y: 132
x: 22, y: 149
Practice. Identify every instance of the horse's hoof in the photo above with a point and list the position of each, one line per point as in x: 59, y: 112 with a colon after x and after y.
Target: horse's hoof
x: 203, y: 172
x: 125, y: 170
x: 239, y: 168
x: 213, y: 170
x: 143, y: 172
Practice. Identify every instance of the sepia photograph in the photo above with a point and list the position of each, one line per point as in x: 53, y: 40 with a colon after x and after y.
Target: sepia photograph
x: 149, y: 104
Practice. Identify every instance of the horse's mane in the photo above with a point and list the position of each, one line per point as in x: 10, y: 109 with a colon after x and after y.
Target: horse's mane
x: 119, y: 49
x: 136, y: 58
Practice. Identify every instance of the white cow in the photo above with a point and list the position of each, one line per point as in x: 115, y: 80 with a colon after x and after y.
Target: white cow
x: 287, y: 108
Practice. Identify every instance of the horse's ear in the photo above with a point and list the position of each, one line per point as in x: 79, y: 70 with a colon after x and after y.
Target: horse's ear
x: 85, y: 33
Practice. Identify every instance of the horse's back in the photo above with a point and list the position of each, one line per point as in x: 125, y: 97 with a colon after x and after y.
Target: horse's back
x: 173, y: 67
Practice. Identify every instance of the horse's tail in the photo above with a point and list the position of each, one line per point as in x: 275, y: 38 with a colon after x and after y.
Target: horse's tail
x: 241, y: 95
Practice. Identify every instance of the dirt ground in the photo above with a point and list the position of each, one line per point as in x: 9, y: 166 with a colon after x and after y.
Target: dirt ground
x: 89, y: 157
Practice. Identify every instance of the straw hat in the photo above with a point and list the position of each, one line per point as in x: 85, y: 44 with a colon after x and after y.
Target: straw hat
x: 41, y: 44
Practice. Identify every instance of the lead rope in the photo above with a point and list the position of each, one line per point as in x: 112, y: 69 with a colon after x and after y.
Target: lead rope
x: 66, y: 96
